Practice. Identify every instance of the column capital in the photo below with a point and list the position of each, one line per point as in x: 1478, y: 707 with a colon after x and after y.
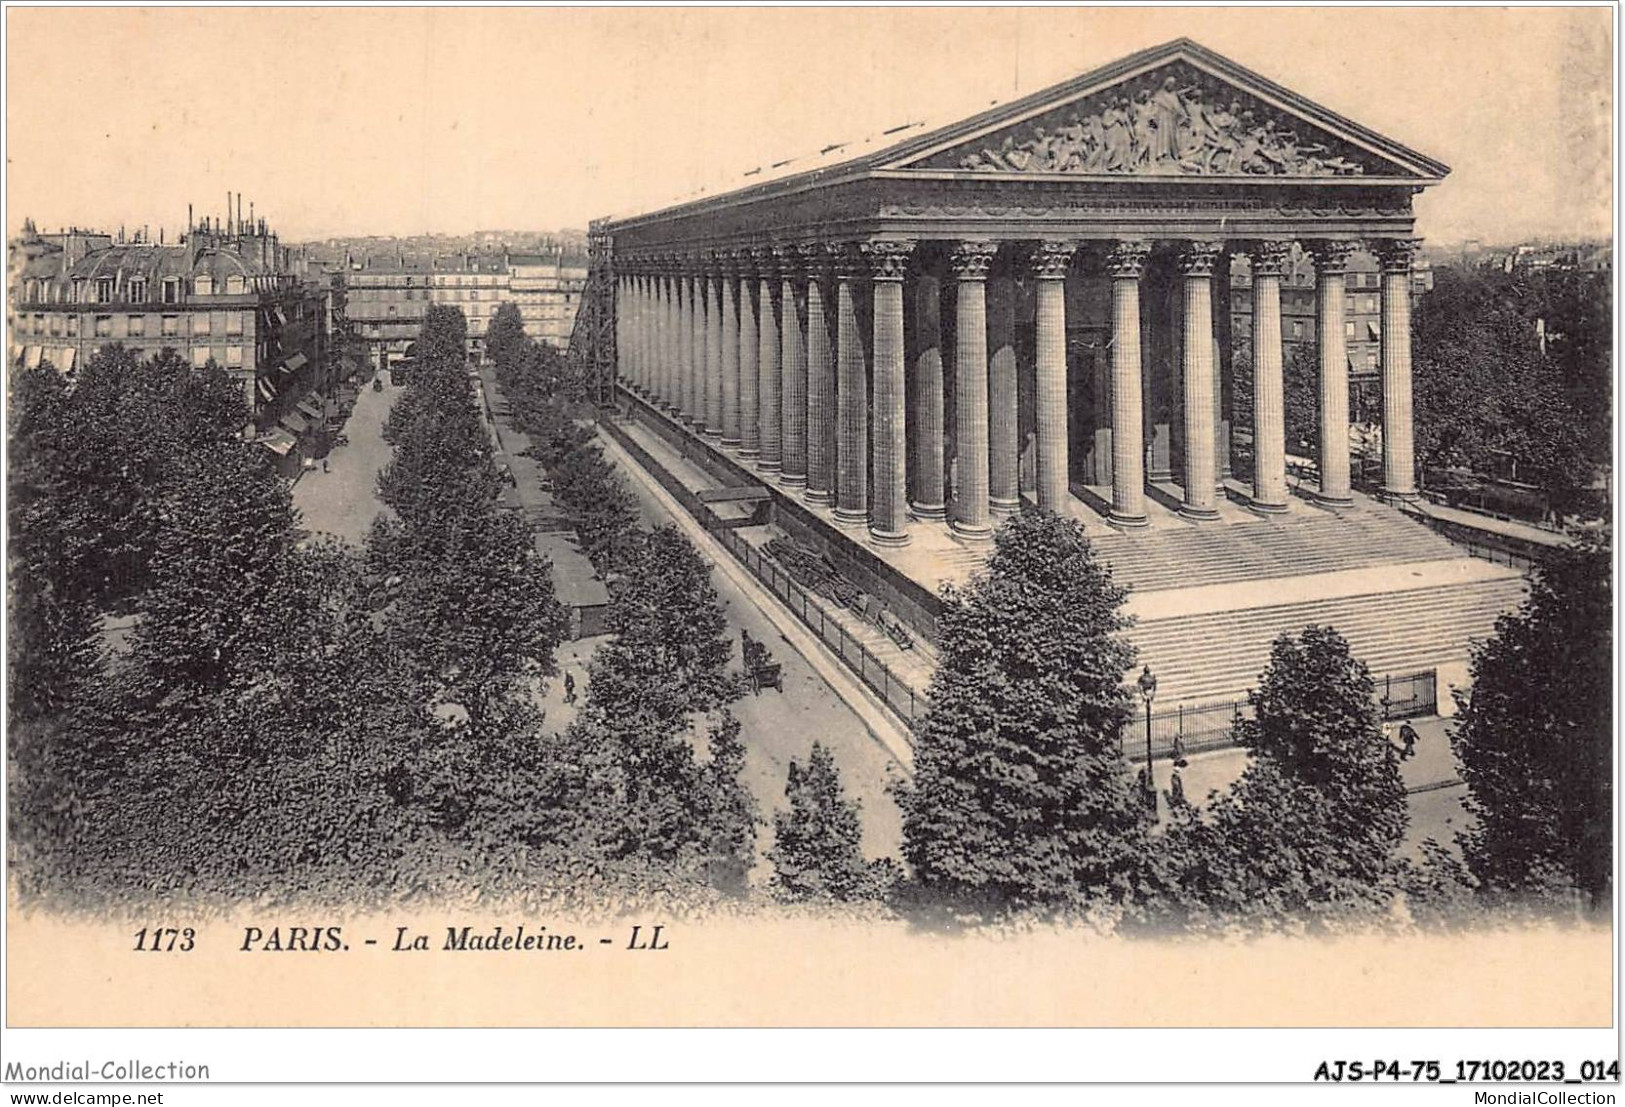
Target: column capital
x: 709, y: 263
x: 1050, y: 259
x: 1270, y: 257
x: 971, y: 259
x: 1331, y: 255
x: 887, y: 258
x: 1197, y: 259
x: 849, y: 261
x: 1395, y: 254
x: 1127, y: 259
x: 817, y: 259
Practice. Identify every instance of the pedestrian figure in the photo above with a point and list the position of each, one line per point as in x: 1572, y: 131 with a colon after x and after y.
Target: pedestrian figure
x: 324, y: 465
x: 1408, y: 736
x: 1176, y: 791
x: 1388, y: 732
x: 569, y: 688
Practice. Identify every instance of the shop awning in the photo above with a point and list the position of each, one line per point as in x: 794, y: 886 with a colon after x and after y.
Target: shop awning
x: 294, y: 422
x: 31, y: 357
x: 279, y: 442
x: 265, y: 390
x: 296, y: 363
x: 312, y: 409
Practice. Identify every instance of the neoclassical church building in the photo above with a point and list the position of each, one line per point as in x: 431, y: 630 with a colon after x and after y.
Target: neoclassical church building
x: 898, y: 344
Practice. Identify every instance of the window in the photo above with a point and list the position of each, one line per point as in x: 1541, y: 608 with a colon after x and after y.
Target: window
x: 104, y: 290
x: 138, y: 290
x: 172, y: 290
x: 138, y: 326
x: 171, y: 326
x: 1371, y: 361
x: 56, y: 324
x: 234, y: 357
x: 104, y: 326
x: 73, y: 326
x: 200, y: 323
x: 235, y: 285
x: 203, y: 285
x: 234, y: 322
x: 1297, y: 328
x: 200, y: 356
x: 1348, y: 329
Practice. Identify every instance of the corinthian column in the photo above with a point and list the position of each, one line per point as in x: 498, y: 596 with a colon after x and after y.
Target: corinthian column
x: 1331, y: 263
x: 1128, y: 414
x: 1003, y: 403
x: 1398, y: 442
x: 888, y: 262
x: 820, y: 383
x: 970, y: 262
x: 1269, y: 262
x: 926, y: 463
x: 1050, y: 263
x: 713, y: 348
x: 668, y: 340
x: 623, y: 309
x: 1201, y: 471
x: 793, y: 366
x: 750, y: 436
x: 768, y: 391
x: 852, y: 395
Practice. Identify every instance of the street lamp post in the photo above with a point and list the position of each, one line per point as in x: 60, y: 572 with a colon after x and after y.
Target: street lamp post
x: 1148, y: 691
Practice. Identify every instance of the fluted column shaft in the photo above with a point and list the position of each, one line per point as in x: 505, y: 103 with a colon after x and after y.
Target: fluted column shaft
x: 889, y: 513
x: 1201, y: 469
x: 728, y: 293
x: 1003, y: 444
x: 927, y: 460
x: 971, y: 517
x: 1398, y: 431
x: 1050, y: 264
x: 820, y: 395
x: 1269, y: 262
x: 713, y: 355
x: 769, y: 392
x: 1128, y: 408
x: 750, y: 435
x: 793, y: 372
x: 694, y: 327
x: 1331, y: 263
x: 851, y: 399
x: 668, y: 347
x: 642, y: 319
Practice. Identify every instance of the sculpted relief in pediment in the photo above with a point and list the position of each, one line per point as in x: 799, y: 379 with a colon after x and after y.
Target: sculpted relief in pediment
x: 1175, y: 120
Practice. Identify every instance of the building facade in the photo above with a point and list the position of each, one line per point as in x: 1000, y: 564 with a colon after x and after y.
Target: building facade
x: 227, y: 292
x: 387, y: 296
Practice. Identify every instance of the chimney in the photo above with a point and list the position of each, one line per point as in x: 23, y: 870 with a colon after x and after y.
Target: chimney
x: 189, y: 223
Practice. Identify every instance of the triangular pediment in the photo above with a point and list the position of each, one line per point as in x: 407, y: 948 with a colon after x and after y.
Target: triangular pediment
x: 1177, y: 111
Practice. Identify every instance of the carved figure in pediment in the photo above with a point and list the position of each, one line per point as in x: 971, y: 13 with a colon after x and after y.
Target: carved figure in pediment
x: 1144, y: 115
x: 1168, y: 114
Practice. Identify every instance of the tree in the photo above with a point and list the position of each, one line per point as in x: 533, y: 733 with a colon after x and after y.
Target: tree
x: 670, y: 653
x: 1309, y: 833
x: 1534, y: 735
x: 1021, y: 795
x: 505, y: 337
x: 818, y: 842
x: 730, y: 809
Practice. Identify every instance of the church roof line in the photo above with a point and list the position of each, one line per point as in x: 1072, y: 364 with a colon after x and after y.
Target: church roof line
x: 880, y: 155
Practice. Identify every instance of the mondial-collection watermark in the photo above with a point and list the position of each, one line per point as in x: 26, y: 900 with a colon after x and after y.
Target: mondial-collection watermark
x: 1542, y: 1098
x: 113, y: 1072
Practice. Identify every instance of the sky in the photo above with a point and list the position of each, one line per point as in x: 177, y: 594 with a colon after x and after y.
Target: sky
x: 410, y: 120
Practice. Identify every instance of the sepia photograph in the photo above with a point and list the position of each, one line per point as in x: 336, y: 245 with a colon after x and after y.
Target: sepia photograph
x: 605, y: 518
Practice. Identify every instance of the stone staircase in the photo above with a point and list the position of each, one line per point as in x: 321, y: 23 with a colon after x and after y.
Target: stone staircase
x: 1219, y: 655
x: 1303, y: 543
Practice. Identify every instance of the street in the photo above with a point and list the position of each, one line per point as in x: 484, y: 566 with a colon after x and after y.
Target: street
x: 343, y: 501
